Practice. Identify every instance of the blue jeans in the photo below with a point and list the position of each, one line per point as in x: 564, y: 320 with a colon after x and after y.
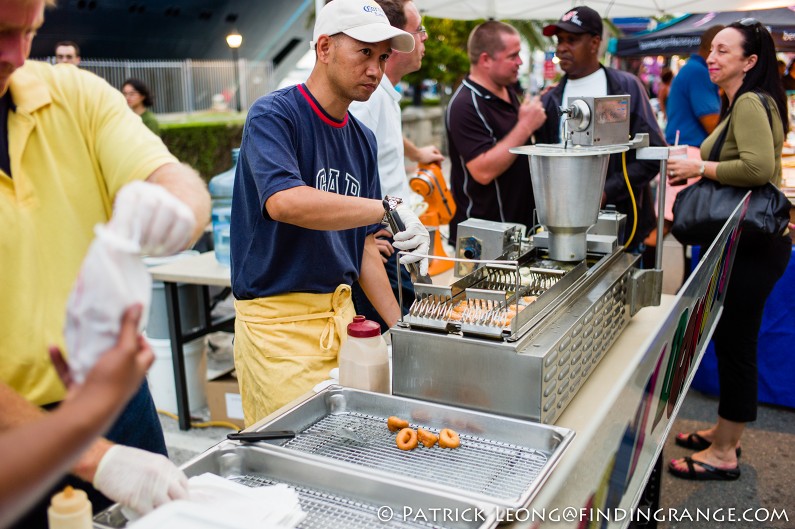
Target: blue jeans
x: 137, y: 426
x: 366, y: 309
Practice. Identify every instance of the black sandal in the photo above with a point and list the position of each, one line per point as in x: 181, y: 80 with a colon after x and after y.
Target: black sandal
x: 694, y: 441
x: 710, y: 472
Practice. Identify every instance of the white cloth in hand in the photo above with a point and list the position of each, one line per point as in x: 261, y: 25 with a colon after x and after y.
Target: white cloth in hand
x: 160, y: 222
x: 112, y: 278
x: 413, y: 239
x: 138, y: 479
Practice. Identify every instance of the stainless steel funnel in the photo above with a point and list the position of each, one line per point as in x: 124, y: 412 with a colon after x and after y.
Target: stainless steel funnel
x: 568, y: 185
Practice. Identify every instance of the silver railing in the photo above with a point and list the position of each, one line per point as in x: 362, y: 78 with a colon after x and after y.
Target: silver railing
x: 189, y: 85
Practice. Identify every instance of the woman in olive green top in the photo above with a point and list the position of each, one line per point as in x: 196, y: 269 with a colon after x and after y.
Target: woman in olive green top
x: 742, y: 62
x: 140, y: 100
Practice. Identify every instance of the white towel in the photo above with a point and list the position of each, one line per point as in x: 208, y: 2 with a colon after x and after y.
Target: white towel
x: 221, y: 503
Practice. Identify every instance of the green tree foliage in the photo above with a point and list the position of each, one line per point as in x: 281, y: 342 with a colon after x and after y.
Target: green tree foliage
x: 446, y: 59
x: 206, y: 147
x: 532, y: 32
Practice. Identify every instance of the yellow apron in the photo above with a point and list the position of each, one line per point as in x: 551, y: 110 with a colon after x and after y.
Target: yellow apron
x: 286, y: 344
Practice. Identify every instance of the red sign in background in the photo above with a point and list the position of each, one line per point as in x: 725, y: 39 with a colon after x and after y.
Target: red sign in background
x: 549, y: 69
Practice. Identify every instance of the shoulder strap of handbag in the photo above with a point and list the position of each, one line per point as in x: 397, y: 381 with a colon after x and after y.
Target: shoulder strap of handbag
x: 714, y: 154
x: 763, y: 99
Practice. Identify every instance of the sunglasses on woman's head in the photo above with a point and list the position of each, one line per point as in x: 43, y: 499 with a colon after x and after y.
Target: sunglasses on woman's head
x: 752, y: 22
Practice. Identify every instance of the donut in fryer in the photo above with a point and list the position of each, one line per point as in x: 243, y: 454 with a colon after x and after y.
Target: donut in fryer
x: 406, y: 439
x: 396, y: 423
x: 449, y: 438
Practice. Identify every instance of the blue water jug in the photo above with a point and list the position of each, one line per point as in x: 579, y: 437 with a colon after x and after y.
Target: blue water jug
x: 221, y: 187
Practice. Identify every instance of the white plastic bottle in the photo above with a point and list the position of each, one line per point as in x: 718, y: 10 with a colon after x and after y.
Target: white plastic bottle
x: 363, y: 358
x: 70, y: 509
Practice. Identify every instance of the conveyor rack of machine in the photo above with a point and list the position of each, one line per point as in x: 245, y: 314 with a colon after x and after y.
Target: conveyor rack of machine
x: 494, y: 301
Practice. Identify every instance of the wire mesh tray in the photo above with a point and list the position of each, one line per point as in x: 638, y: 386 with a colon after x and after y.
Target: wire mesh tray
x: 331, y: 497
x: 479, y: 465
x: 501, y: 460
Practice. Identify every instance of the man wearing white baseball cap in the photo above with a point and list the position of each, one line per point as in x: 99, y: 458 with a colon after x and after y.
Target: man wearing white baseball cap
x: 306, y: 203
x: 361, y: 20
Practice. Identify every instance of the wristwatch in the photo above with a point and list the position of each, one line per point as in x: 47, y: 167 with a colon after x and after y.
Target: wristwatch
x: 702, y: 169
x: 390, y: 204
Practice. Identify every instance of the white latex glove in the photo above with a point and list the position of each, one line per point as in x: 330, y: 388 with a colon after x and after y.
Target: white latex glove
x: 413, y: 239
x: 149, y: 214
x: 139, y: 479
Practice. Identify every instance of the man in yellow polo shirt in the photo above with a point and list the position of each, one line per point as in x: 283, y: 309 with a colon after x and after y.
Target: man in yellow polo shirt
x: 68, y: 145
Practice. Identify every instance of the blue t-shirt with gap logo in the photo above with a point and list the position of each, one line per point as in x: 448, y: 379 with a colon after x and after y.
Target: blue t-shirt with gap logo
x: 290, y: 141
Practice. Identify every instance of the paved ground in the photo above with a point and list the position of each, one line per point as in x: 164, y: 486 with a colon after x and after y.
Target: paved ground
x: 767, y: 465
x: 182, y: 446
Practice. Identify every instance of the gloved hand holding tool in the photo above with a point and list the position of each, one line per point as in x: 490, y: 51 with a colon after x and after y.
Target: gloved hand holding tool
x: 410, y: 235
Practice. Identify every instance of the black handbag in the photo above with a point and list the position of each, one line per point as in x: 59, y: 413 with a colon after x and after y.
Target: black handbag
x: 701, y: 210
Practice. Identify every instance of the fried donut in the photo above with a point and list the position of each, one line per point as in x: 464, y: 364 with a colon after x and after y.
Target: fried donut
x: 396, y: 423
x: 428, y: 439
x: 406, y: 439
x: 460, y: 307
x: 449, y: 438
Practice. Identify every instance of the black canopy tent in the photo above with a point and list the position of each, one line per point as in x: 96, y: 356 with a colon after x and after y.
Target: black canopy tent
x: 682, y: 36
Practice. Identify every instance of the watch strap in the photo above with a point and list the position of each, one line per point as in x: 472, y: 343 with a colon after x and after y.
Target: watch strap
x: 390, y: 204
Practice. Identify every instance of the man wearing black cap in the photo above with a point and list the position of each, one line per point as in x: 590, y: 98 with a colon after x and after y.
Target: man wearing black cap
x: 579, y: 35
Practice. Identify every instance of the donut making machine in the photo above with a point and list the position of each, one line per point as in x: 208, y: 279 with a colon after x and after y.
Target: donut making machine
x: 519, y: 334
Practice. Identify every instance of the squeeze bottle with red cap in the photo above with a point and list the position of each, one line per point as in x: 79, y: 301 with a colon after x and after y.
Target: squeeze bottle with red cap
x: 363, y: 358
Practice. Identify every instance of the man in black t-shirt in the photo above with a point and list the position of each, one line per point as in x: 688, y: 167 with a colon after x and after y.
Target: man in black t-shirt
x: 484, y: 120
x: 579, y: 35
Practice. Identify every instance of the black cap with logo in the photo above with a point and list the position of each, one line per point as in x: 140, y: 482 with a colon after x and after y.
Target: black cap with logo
x: 580, y: 19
